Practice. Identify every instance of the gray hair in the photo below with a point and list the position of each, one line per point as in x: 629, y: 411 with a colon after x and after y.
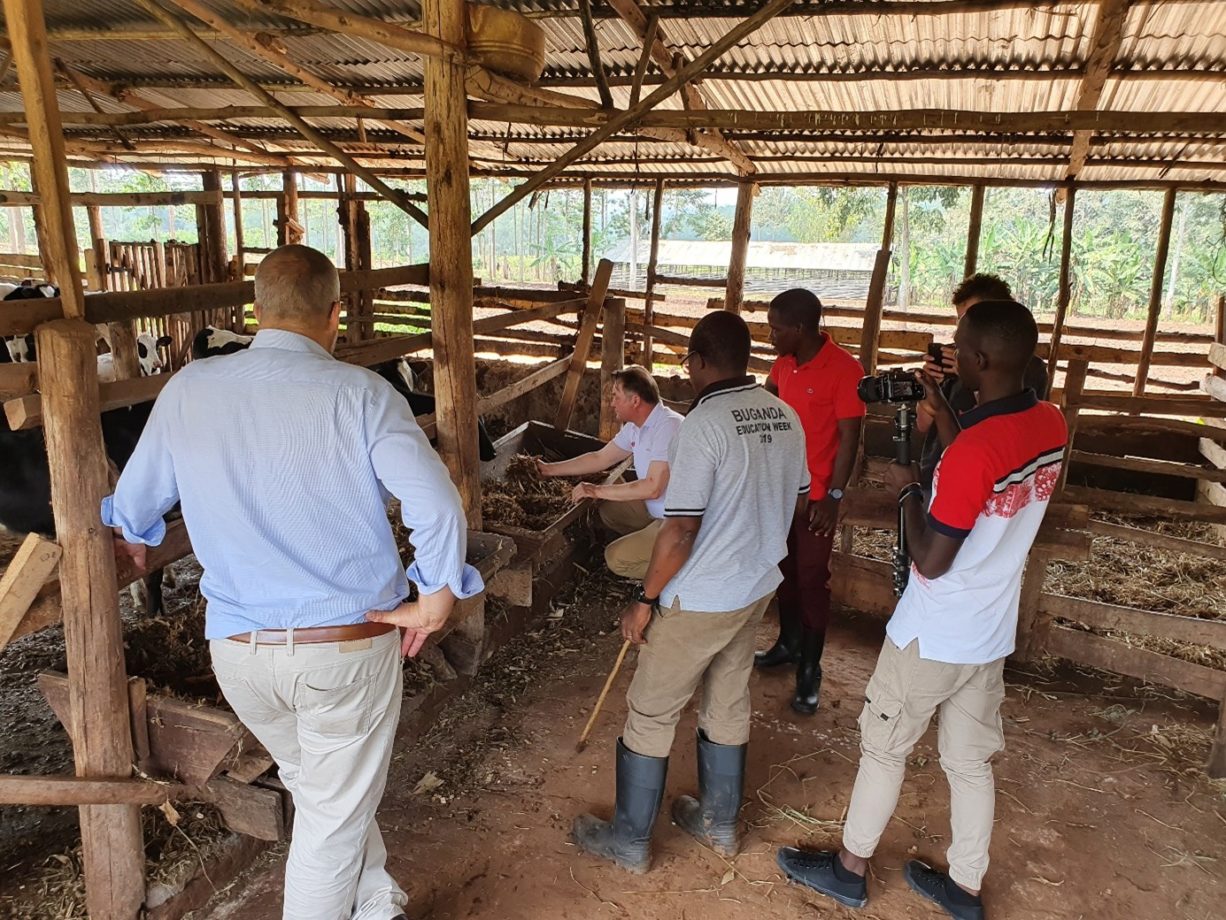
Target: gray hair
x: 296, y: 283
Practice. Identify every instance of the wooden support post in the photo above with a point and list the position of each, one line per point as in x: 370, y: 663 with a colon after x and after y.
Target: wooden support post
x: 973, y: 232
x: 875, y: 303
x: 1066, y: 287
x: 741, y: 221
x: 587, y: 232
x: 1155, y: 293
x: 653, y: 258
x: 612, y: 358
x: 214, y: 262
x: 451, y: 263
x: 1219, y: 330
x: 239, y: 241
x: 112, y: 847
x: 289, y: 229
x: 583, y: 344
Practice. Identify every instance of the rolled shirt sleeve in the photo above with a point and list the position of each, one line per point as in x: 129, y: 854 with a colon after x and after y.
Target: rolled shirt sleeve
x: 407, y: 466
x: 147, y: 488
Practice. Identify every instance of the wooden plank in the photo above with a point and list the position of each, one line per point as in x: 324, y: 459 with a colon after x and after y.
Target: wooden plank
x: 1151, y: 667
x: 75, y: 790
x: 47, y: 609
x: 1214, y: 452
x: 1156, y: 282
x: 1215, y: 386
x: 1164, y: 404
x: 527, y: 384
x: 17, y: 379
x: 1148, y: 505
x: 256, y: 811
x: 862, y: 584
x: 1138, y: 622
x: 1158, y: 540
x: 583, y: 345
x: 1115, y: 423
x: 1216, y: 767
x: 1144, y: 465
x: 20, y: 317
x: 1217, y: 354
x: 741, y: 222
x: 35, y: 561
x: 187, y: 741
x: 27, y: 411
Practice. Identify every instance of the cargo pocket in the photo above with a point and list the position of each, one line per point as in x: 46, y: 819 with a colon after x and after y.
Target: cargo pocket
x: 880, y: 717
x: 335, y: 710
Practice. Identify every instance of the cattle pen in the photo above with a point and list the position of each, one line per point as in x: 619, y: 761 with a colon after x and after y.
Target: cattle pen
x: 1073, y: 97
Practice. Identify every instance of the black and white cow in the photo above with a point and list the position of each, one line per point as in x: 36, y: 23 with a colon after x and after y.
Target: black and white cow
x: 147, y: 353
x: 210, y: 342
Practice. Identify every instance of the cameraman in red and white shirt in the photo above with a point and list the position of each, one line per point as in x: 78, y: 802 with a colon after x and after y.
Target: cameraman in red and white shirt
x: 956, y: 622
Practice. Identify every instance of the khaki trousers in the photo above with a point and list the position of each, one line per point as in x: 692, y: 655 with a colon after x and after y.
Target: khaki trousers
x: 902, y: 696
x: 684, y: 649
x: 630, y: 554
x: 327, y: 713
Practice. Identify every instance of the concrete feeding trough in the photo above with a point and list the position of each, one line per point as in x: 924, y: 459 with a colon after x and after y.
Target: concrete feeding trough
x: 544, y: 556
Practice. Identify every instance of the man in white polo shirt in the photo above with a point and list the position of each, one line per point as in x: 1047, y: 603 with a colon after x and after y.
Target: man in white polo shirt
x: 631, y: 509
x: 955, y: 624
x: 739, y: 478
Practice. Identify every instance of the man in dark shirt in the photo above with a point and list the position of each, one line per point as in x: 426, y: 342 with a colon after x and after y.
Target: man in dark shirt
x: 975, y: 289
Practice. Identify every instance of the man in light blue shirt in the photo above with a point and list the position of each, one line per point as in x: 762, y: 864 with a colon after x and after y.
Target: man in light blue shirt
x: 283, y: 460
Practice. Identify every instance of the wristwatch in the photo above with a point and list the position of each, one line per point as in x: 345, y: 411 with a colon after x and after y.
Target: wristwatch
x: 644, y: 599
x: 836, y: 494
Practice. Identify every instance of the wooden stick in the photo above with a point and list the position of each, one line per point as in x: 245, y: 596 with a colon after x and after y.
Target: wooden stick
x: 586, y: 263
x: 653, y: 257
x: 1066, y: 287
x: 593, y: 54
x: 583, y: 344
x: 1155, y: 293
x: 619, y: 120
x: 617, y: 666
x: 640, y: 68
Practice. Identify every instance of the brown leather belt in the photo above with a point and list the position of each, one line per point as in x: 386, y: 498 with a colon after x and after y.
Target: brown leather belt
x: 316, y: 634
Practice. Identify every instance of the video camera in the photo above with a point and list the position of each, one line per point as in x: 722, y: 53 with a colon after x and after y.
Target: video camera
x: 896, y: 385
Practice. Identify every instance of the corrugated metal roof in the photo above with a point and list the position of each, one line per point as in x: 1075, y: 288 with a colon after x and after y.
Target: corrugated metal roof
x: 826, y: 57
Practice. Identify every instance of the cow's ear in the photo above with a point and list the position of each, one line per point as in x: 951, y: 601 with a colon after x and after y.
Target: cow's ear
x: 164, y: 341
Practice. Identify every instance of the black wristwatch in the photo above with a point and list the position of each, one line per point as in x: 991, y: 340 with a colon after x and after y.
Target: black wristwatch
x: 836, y: 494
x: 649, y: 601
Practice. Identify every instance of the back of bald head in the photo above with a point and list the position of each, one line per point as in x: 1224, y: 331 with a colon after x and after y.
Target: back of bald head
x: 296, y: 284
x: 1004, y: 330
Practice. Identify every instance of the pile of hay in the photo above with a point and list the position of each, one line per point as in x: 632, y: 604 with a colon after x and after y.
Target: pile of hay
x: 523, y: 499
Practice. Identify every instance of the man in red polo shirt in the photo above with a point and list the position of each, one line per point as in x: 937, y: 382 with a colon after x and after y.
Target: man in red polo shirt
x: 818, y: 379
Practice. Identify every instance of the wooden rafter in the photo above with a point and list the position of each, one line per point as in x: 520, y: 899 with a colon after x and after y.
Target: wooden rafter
x: 264, y: 46
x: 310, y: 133
x: 669, y: 61
x: 1105, y: 44
x: 137, y: 100
x: 616, y: 122
x: 593, y: 54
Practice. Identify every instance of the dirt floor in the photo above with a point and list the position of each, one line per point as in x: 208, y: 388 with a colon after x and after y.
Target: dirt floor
x: 1103, y: 810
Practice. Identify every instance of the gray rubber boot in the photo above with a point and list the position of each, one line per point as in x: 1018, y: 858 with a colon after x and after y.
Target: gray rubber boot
x: 712, y: 818
x: 626, y: 840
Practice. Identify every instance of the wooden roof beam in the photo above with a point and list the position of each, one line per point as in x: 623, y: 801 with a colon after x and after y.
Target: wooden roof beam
x: 1209, y: 123
x: 668, y: 61
x: 593, y: 54
x: 263, y: 47
x: 1105, y: 44
x: 310, y: 133
x: 136, y: 100
x: 615, y: 122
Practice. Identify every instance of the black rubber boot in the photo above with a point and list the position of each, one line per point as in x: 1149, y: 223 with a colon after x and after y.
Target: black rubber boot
x: 626, y: 840
x: 721, y: 779
x: 824, y: 874
x: 809, y: 673
x: 943, y: 891
x: 786, y: 649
